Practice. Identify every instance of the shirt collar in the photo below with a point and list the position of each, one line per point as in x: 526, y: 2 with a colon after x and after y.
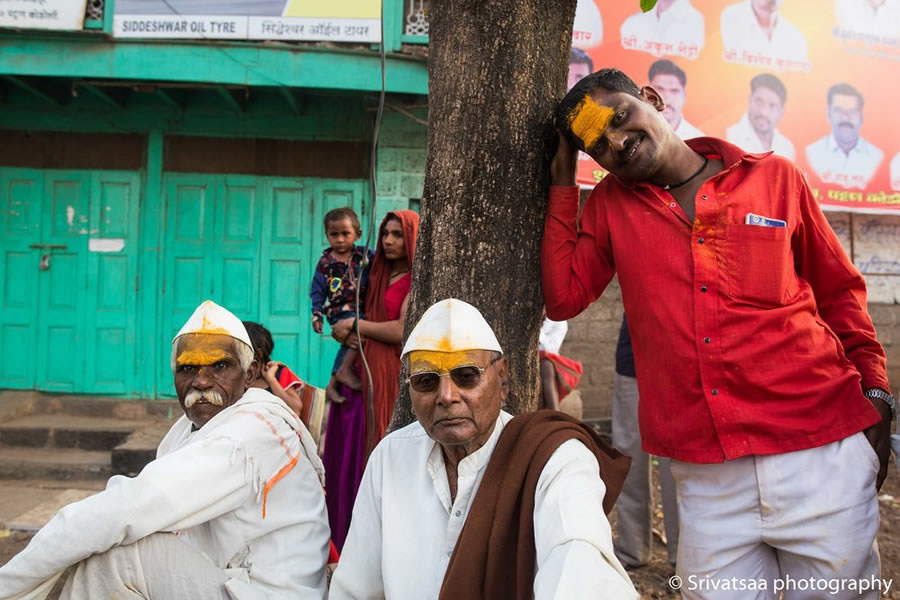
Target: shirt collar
x: 755, y: 22
x: 861, y: 147
x: 679, y: 10
x: 470, y: 464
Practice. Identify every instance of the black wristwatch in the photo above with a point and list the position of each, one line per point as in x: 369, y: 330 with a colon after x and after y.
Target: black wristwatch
x: 883, y: 396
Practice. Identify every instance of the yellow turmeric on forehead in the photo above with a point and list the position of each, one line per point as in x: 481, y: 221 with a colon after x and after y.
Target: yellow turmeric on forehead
x: 202, y: 349
x: 201, y: 357
x: 440, y: 362
x: 589, y: 120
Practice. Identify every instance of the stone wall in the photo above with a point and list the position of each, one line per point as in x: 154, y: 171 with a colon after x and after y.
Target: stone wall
x: 593, y: 334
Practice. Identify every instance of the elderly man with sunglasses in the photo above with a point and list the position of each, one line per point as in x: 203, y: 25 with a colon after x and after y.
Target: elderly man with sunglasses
x: 469, y: 502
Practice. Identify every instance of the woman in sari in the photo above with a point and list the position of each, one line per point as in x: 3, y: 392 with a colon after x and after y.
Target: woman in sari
x: 382, y: 333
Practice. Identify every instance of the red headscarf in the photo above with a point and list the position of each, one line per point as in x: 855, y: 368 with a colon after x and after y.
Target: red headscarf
x: 384, y: 359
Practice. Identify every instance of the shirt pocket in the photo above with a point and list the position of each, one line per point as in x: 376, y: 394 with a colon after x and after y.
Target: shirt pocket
x: 759, y: 266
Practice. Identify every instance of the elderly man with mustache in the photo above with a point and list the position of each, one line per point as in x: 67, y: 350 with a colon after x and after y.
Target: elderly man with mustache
x: 232, y: 507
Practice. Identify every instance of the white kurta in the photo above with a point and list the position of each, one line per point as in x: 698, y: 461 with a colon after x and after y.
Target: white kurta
x: 741, y: 32
x: 851, y: 170
x: 859, y: 16
x: 552, y: 335
x: 404, y: 525
x: 741, y: 134
x: 209, y: 487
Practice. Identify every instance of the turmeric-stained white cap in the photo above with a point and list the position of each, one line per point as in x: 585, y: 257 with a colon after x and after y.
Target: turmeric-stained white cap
x: 212, y: 318
x: 452, y: 326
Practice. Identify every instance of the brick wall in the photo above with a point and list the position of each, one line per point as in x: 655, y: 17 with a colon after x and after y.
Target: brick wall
x: 593, y: 334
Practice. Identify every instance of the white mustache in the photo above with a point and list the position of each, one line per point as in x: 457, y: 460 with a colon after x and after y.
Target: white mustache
x: 211, y: 396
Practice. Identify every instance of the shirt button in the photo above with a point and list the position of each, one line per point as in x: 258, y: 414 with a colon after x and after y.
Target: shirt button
x: 700, y: 240
x: 706, y: 340
x: 458, y: 513
x: 703, y: 288
x: 671, y: 205
x: 715, y: 392
x: 703, y: 196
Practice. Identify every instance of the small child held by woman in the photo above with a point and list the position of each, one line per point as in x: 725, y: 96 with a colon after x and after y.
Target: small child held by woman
x: 339, y: 272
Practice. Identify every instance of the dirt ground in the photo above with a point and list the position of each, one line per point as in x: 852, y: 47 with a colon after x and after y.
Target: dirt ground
x: 652, y: 581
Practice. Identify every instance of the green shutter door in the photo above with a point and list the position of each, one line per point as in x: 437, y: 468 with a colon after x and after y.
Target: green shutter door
x: 211, y: 252
x: 68, y: 320
x: 21, y: 194
x: 251, y: 244
x: 61, y: 332
x: 112, y: 285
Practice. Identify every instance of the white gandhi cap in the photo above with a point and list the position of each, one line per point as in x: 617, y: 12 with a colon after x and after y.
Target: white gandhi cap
x: 452, y: 326
x: 212, y: 318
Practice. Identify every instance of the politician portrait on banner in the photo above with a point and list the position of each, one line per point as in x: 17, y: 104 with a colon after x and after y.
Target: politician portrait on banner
x: 756, y: 34
x: 671, y: 28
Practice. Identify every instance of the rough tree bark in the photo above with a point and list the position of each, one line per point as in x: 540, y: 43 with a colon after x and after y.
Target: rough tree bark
x: 496, y: 70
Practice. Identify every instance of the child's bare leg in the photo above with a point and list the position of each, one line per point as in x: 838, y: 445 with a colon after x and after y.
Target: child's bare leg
x: 549, y: 394
x: 345, y: 373
x: 332, y: 393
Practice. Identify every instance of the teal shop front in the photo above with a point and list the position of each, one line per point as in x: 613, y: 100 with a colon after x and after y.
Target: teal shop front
x: 114, y: 229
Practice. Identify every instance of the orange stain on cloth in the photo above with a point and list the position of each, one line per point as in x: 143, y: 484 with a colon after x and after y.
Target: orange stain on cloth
x: 292, y: 459
x: 589, y: 121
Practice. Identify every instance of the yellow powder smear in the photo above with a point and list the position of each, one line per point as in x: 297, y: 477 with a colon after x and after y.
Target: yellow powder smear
x: 201, y: 357
x: 588, y: 121
x: 441, y: 362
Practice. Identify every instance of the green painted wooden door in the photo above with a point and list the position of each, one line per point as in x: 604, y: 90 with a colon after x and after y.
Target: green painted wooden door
x: 21, y: 194
x: 250, y: 243
x: 69, y: 280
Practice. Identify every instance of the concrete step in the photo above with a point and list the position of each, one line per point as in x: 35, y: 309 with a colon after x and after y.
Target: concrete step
x: 129, y: 457
x: 54, y: 463
x: 14, y: 403
x: 28, y: 505
x: 68, y: 431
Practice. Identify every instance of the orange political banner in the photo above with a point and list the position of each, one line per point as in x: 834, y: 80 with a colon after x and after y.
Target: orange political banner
x: 805, y: 79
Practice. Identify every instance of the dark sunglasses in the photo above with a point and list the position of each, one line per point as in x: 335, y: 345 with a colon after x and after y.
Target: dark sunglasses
x: 465, y: 377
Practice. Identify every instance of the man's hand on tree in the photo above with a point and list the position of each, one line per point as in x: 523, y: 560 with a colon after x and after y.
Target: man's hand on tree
x: 564, y: 163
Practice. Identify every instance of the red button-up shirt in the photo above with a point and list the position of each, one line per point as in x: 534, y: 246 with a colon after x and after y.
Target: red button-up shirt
x: 747, y: 339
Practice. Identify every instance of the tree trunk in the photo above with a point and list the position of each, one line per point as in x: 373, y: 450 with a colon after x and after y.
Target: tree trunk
x: 496, y: 69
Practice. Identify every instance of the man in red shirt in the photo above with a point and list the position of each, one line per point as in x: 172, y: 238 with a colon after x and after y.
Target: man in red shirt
x: 759, y: 371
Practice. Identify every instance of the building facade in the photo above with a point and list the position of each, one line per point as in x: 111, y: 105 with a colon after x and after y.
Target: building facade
x: 139, y: 177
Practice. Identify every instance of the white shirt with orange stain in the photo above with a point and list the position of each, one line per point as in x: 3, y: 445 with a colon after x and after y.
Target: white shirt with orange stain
x: 245, y: 490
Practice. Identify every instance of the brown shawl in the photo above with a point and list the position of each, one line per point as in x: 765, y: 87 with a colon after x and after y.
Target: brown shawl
x: 494, y: 558
x: 384, y: 359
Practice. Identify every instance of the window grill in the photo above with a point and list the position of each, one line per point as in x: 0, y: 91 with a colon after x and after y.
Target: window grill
x: 94, y: 10
x: 416, y: 18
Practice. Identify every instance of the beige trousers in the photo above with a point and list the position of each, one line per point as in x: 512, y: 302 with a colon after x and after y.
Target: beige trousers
x: 800, y: 523
x: 158, y: 567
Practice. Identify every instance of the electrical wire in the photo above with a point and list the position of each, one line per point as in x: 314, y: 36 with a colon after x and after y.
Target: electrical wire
x: 370, y: 399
